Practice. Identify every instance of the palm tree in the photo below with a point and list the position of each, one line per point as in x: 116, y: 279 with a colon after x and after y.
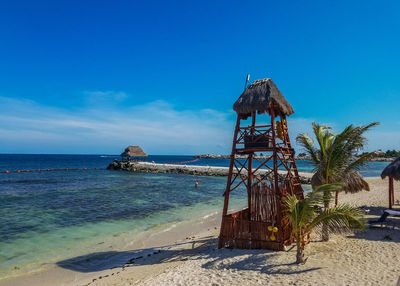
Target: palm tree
x: 306, y: 215
x: 335, y: 159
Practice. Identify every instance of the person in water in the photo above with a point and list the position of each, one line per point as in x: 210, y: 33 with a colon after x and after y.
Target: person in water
x: 196, y: 184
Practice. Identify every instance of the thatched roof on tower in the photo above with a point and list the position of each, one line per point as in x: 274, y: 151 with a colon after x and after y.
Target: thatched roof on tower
x: 392, y: 170
x: 258, y: 98
x: 133, y: 151
x: 353, y: 182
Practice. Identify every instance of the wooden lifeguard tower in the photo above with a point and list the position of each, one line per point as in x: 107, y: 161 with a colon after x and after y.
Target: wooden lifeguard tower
x: 262, y: 223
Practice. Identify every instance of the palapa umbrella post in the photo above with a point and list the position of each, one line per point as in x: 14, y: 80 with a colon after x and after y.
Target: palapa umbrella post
x: 391, y: 193
x: 393, y: 172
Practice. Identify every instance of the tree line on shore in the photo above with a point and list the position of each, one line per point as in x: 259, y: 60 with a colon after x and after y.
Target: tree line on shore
x: 381, y: 154
x: 389, y: 153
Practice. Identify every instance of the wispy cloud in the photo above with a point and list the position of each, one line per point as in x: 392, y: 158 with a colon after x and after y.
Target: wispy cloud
x: 104, y: 98
x: 26, y: 126
x: 102, y: 127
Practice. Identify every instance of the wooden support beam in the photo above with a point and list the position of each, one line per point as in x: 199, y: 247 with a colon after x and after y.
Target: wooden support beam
x: 250, y: 168
x: 228, y: 185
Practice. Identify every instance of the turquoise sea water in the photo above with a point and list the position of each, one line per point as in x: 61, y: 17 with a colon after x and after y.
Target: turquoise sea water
x: 49, y: 216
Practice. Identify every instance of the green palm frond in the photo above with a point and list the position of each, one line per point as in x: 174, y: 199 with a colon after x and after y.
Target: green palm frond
x: 338, y: 219
x: 299, y: 213
x: 323, y: 136
x: 359, y: 162
x: 308, y: 144
x: 322, y: 193
x: 344, y: 149
x: 304, y: 216
x: 336, y: 153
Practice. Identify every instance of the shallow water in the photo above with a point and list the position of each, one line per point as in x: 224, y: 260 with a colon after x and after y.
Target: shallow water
x: 49, y: 216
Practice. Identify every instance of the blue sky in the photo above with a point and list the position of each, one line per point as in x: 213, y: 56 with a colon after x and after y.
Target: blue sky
x: 95, y: 76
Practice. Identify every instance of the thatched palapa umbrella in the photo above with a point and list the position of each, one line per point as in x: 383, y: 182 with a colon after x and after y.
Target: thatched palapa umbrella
x: 353, y: 182
x: 393, y: 172
x: 133, y: 151
x: 258, y: 98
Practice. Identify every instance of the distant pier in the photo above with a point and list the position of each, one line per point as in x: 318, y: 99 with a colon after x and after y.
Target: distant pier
x: 146, y: 167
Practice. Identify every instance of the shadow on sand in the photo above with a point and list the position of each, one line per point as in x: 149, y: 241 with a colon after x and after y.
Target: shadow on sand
x: 245, y: 260
x: 206, y: 248
x: 377, y: 231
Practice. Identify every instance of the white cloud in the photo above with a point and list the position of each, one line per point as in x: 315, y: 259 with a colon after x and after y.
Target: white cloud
x: 384, y: 140
x: 104, y: 98
x: 29, y: 127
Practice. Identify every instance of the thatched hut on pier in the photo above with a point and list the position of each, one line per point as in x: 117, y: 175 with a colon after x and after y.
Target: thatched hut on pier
x: 393, y: 172
x: 135, y: 152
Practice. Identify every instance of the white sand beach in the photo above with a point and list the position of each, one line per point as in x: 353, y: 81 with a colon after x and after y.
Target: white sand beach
x: 188, y: 255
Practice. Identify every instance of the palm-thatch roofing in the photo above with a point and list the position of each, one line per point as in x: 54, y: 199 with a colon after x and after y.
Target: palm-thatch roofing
x: 392, y: 170
x: 353, y: 182
x: 258, y: 98
x: 133, y: 151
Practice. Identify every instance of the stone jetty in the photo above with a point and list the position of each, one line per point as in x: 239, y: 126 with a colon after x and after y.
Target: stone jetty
x: 146, y: 167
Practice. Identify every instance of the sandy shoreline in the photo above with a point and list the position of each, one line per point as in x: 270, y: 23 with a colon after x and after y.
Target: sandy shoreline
x: 78, y: 270
x: 187, y: 254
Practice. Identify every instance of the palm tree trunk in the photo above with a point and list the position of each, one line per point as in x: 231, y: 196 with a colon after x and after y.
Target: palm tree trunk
x: 325, y: 230
x: 336, y: 198
x: 300, y: 253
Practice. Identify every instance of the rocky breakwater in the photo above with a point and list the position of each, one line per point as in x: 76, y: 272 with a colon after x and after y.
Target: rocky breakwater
x: 145, y: 167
